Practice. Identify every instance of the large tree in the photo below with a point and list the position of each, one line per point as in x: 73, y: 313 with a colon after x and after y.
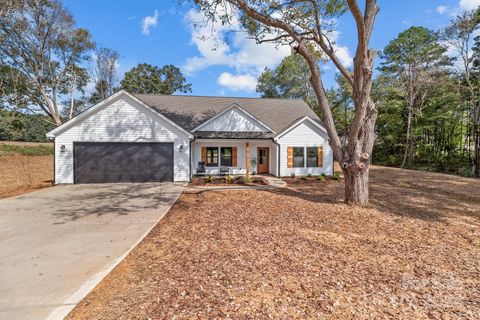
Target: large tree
x: 308, y: 27
x: 145, y: 78
x: 460, y: 36
x: 414, y: 60
x: 40, y: 43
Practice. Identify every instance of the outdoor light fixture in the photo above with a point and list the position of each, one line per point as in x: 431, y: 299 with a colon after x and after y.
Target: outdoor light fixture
x: 62, y: 148
x: 180, y: 148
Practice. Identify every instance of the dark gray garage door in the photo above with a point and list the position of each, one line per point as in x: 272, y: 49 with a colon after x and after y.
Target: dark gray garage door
x: 98, y: 162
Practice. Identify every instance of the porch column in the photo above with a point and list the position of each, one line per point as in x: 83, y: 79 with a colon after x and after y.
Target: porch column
x: 247, y: 161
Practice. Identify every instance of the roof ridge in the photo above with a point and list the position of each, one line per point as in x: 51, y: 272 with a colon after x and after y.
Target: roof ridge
x: 219, y: 97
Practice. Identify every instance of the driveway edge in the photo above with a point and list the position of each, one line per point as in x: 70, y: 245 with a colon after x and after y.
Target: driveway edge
x: 71, y: 302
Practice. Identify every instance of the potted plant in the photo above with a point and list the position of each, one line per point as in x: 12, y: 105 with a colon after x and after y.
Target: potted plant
x: 253, y: 163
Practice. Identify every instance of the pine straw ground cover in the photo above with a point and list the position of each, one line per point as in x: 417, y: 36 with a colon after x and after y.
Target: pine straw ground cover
x: 302, y: 254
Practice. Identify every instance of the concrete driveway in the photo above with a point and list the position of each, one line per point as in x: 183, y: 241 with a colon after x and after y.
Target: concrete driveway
x: 56, y: 244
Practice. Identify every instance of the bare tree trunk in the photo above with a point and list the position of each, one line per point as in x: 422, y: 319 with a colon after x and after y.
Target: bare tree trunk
x: 407, y: 139
x: 70, y: 116
x: 52, y: 107
x: 357, y: 158
x: 356, y: 186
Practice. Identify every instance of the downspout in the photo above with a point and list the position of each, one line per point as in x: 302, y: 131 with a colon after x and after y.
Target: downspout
x: 278, y: 157
x: 190, y: 160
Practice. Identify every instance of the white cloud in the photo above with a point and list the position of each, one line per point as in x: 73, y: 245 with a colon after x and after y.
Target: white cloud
x: 343, y: 54
x: 441, y: 9
x: 244, y: 55
x: 243, y: 82
x: 469, y: 4
x: 240, y: 53
x: 149, y: 22
x: 464, y: 5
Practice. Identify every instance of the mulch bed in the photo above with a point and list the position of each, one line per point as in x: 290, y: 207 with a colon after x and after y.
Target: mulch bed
x: 312, y: 181
x: 300, y: 253
x: 223, y: 181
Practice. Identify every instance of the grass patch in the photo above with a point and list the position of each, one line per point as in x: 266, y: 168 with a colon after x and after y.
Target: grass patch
x: 38, y: 150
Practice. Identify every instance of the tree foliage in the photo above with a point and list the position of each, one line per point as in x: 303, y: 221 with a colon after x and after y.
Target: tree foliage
x: 145, y: 78
x: 413, y: 62
x: 104, y: 73
x: 40, y: 42
x: 18, y: 126
x: 290, y: 79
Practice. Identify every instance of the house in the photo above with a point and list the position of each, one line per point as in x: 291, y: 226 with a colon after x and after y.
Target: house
x: 141, y: 138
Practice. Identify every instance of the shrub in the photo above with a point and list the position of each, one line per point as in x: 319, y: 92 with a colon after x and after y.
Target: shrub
x: 230, y: 179
x: 336, y: 176
x: 323, y: 175
x: 34, y: 150
x: 303, y: 178
x: 208, y: 179
x: 321, y: 178
x: 309, y: 175
x: 247, y: 179
x: 292, y: 175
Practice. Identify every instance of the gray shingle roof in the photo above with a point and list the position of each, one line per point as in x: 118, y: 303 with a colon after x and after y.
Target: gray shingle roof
x: 191, y: 111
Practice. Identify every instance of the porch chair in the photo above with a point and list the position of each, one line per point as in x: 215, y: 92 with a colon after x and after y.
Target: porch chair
x: 201, y: 169
x: 224, y: 171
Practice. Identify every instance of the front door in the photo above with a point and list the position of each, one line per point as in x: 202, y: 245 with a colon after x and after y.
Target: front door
x: 262, y: 160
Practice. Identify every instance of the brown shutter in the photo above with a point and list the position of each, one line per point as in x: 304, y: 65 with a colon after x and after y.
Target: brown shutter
x: 234, y: 156
x: 290, y: 157
x: 204, y: 154
x: 320, y: 157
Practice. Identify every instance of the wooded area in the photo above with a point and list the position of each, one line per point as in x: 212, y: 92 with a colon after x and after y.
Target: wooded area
x: 427, y: 99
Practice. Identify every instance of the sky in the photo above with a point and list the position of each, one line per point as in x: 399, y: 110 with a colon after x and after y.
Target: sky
x: 161, y: 32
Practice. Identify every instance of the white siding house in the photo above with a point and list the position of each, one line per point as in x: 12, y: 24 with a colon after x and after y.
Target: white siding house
x: 140, y: 138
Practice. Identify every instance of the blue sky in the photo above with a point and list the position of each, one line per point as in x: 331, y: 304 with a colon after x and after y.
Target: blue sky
x: 160, y: 32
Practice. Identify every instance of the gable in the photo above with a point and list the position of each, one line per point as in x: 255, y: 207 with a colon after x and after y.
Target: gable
x: 233, y: 119
x: 122, y: 120
x: 114, y: 110
x: 304, y: 130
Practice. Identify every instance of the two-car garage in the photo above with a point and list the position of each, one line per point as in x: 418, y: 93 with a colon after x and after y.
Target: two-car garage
x: 110, y: 162
x: 121, y: 140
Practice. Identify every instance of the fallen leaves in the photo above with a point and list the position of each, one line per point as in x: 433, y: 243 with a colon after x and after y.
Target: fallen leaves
x: 300, y: 253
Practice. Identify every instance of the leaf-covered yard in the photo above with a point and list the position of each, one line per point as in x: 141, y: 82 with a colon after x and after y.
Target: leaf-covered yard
x: 301, y: 253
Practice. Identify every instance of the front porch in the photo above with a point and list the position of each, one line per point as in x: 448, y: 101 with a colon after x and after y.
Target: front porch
x: 257, y: 156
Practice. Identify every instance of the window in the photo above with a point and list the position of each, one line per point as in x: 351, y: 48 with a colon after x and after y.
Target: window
x: 212, y: 157
x: 298, y: 157
x: 226, y: 156
x: 312, y: 157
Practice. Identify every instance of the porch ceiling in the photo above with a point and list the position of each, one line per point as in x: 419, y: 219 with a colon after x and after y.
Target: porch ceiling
x: 232, y: 135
